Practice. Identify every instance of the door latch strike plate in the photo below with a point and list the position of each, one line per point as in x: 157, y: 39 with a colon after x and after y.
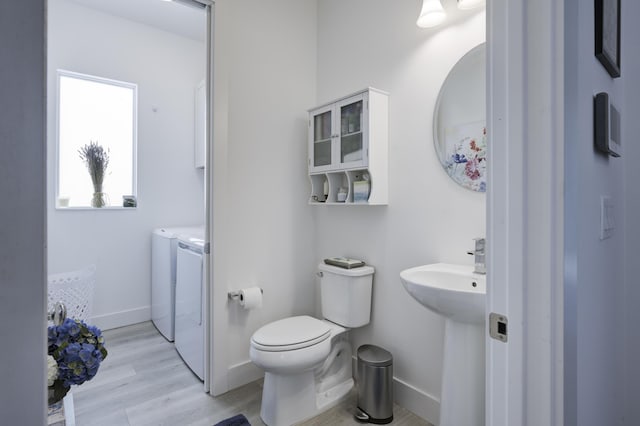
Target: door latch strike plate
x: 498, y: 326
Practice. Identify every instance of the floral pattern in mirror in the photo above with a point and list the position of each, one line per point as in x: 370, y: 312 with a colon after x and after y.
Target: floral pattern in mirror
x: 466, y: 155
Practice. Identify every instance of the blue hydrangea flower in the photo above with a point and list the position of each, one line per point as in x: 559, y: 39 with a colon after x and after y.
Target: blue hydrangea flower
x: 78, y: 349
x: 73, y: 328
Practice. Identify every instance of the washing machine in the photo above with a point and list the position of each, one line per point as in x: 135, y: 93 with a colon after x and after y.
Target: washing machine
x: 164, y: 246
x: 190, y: 312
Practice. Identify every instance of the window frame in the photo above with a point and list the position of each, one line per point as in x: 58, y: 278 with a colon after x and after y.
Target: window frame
x: 60, y: 73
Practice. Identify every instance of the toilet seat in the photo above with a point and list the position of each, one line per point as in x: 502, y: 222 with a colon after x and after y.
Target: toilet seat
x: 290, y: 334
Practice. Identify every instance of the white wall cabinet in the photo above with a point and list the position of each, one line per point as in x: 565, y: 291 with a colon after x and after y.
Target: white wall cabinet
x: 348, y: 147
x: 200, y: 136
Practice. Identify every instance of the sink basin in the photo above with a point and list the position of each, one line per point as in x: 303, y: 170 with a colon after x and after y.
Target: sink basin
x: 453, y: 291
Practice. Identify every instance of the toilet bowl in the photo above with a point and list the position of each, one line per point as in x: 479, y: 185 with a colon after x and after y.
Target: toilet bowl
x: 307, y: 361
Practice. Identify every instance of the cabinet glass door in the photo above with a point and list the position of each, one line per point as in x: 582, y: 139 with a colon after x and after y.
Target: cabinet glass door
x: 351, y: 131
x: 321, y: 140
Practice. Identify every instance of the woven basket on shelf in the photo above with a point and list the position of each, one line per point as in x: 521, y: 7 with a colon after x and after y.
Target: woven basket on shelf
x: 75, y: 290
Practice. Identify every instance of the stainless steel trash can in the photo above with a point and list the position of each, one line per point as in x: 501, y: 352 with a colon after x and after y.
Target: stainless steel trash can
x: 375, y: 385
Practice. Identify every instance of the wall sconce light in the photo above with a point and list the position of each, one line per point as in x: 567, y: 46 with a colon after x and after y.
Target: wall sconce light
x: 469, y: 4
x: 432, y: 14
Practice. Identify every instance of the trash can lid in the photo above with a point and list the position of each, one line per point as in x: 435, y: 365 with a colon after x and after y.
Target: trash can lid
x: 374, y: 355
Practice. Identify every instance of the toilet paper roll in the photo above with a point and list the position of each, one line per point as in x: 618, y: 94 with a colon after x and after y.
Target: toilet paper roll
x: 251, y: 298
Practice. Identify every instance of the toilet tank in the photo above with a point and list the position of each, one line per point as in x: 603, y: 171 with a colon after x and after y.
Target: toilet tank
x: 346, y: 294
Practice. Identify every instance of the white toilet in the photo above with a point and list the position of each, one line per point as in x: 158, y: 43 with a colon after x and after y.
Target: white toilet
x: 307, y: 361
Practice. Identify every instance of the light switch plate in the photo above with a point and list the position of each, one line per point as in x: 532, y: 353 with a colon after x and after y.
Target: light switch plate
x: 606, y: 217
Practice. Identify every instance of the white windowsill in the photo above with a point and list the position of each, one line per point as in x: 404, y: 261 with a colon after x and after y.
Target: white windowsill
x: 95, y: 208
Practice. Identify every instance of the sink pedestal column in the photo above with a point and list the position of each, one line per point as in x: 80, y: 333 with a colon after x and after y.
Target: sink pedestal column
x: 463, y: 375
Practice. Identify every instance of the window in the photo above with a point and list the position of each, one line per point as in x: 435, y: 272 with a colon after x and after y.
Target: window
x: 94, y: 110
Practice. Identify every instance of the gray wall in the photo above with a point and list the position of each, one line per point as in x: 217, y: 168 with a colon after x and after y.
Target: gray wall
x: 22, y: 213
x: 631, y: 130
x: 601, y: 296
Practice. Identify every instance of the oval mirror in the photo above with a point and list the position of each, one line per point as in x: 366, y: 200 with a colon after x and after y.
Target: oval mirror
x: 459, y: 122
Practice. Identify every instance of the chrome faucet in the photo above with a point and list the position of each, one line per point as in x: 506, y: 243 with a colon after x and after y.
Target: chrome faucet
x: 478, y: 254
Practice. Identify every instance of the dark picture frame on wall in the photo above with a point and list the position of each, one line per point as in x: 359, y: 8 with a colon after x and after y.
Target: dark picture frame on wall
x: 607, y: 20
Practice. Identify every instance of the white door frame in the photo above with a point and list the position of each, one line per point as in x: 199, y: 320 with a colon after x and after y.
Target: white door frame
x: 213, y: 371
x: 525, y: 42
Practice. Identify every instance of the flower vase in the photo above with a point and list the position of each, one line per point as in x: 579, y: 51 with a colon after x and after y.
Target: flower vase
x: 55, y: 401
x: 99, y: 199
x: 54, y: 410
x: 56, y: 392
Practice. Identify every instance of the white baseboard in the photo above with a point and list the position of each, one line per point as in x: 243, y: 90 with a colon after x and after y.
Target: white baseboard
x: 410, y: 397
x: 406, y: 395
x: 122, y: 318
x: 417, y: 401
x: 243, y: 373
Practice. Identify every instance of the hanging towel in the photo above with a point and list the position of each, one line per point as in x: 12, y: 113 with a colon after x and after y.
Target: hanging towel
x: 239, y: 420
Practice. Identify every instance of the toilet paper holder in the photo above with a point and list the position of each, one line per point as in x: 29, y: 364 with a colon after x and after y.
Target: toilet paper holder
x: 235, y: 295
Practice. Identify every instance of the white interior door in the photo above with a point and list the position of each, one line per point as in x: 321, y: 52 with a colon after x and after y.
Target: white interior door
x: 209, y: 373
x: 215, y: 374
x: 525, y: 210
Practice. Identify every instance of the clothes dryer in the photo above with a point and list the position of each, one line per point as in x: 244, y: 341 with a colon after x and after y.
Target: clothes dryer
x: 190, y: 312
x: 164, y: 245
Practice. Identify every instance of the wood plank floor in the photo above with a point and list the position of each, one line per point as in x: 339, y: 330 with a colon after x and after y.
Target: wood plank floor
x: 144, y: 382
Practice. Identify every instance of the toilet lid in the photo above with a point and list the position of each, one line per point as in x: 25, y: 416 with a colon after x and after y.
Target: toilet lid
x: 291, y: 333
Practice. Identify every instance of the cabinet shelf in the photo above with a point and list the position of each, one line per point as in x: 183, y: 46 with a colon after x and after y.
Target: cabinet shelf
x: 355, y: 184
x: 352, y: 163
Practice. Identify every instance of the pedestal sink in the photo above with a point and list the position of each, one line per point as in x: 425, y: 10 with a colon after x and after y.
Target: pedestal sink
x: 459, y: 295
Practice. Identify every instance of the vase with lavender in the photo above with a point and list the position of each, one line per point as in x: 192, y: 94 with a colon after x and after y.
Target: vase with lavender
x: 96, y: 158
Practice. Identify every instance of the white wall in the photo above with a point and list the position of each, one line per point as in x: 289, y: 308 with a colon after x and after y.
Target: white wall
x: 262, y: 226
x: 631, y: 129
x: 429, y: 217
x: 595, y: 321
x: 22, y: 214
x: 167, y: 69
